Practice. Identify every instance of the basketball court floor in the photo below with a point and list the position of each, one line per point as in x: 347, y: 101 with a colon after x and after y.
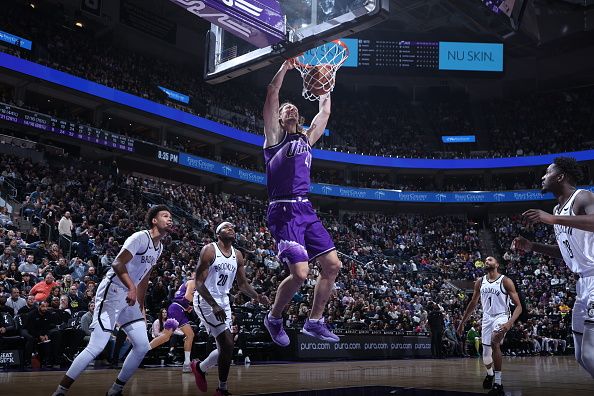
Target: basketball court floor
x: 542, y: 376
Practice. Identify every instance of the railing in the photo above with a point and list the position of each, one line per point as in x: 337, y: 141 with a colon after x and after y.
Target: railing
x: 69, y: 244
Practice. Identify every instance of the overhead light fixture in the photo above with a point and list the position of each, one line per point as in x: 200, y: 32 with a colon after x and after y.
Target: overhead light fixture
x: 32, y: 5
x: 78, y: 24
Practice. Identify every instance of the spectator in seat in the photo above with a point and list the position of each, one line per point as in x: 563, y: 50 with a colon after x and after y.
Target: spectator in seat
x: 7, y: 326
x: 15, y: 301
x: 5, y: 285
x: 43, y: 331
x: 30, y: 305
x: 4, y: 308
x: 92, y: 274
x: 79, y: 269
x: 30, y: 267
x: 41, y: 290
x: 62, y: 268
x: 158, y: 326
x: 71, y: 335
x: 6, y: 258
x: 473, y: 338
x: 13, y: 275
x: 75, y: 303
x: 26, y: 284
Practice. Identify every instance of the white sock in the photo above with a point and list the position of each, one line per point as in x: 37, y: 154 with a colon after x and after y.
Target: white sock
x: 498, y: 377
x: 187, y: 357
x: 210, y: 361
x: 272, y: 318
x: 60, y: 390
x: 490, y: 371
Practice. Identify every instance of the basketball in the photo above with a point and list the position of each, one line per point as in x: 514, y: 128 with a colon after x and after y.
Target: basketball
x: 319, y: 80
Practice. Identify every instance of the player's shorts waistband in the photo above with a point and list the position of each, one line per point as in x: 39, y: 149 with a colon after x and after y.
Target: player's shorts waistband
x: 497, y: 314
x: 288, y: 199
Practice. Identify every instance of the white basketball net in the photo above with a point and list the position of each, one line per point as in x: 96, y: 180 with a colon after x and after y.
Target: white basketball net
x: 327, y: 58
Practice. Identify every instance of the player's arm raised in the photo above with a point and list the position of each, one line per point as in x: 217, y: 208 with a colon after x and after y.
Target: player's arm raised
x: 244, y: 284
x: 318, y: 125
x: 584, y: 209
x: 272, y: 130
x: 207, y: 255
x: 471, y: 306
x: 513, y: 294
x: 119, y: 267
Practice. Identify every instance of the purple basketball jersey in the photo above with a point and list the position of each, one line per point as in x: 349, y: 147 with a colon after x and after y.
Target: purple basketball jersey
x: 299, y: 234
x: 179, y: 296
x: 178, y: 306
x: 288, y: 165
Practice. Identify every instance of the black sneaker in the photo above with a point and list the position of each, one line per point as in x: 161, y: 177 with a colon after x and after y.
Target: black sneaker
x: 488, y: 382
x: 497, y: 390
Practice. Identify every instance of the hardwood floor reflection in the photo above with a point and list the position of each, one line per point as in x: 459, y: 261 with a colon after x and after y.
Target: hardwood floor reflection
x: 521, y: 376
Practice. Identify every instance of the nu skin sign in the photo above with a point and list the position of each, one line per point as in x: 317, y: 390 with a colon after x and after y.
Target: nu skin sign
x: 470, y: 56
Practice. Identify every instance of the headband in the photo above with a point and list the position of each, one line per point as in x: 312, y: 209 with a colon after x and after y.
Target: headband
x: 223, y: 224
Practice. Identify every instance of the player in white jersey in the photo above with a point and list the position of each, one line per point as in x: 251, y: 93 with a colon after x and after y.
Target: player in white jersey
x: 495, y: 291
x: 120, y: 299
x: 573, y: 222
x: 217, y: 268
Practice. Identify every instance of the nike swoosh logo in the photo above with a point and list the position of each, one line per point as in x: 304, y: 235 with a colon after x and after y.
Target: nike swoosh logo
x: 566, y: 209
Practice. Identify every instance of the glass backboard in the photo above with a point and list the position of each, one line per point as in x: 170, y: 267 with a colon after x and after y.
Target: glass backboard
x: 309, y: 24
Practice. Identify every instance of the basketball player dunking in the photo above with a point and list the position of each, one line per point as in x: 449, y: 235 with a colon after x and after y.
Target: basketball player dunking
x: 495, y: 290
x: 299, y: 234
x: 573, y: 222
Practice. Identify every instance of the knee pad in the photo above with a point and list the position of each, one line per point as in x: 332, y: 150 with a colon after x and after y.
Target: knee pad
x: 291, y: 252
x: 487, y: 355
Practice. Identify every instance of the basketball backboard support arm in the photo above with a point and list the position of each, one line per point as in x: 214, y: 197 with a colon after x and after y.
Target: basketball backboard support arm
x: 309, y: 23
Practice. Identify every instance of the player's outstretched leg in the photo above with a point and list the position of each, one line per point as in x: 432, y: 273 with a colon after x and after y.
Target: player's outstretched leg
x: 314, y: 326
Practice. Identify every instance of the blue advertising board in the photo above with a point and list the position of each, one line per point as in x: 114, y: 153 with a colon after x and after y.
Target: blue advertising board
x: 459, y: 139
x: 16, y: 40
x: 173, y: 95
x: 332, y: 190
x: 126, y: 99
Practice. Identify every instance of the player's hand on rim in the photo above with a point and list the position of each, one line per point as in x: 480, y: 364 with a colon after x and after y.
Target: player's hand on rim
x: 289, y: 64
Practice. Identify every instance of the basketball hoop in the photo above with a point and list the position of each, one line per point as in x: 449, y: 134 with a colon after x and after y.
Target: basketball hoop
x: 318, y: 68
